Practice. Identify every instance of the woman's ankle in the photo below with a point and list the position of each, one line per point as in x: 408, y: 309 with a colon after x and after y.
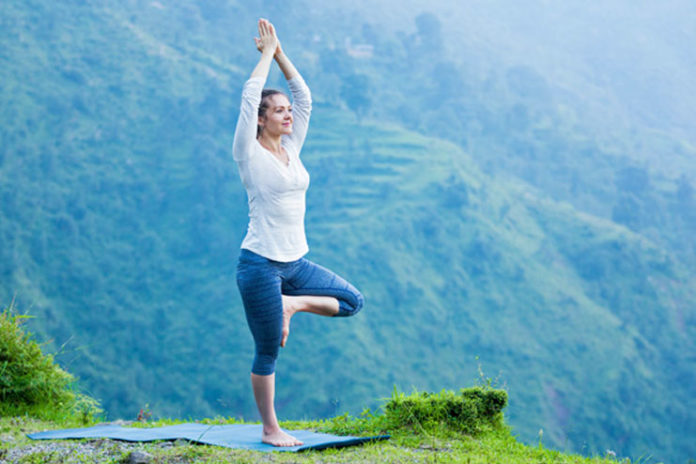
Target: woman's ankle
x: 270, y: 429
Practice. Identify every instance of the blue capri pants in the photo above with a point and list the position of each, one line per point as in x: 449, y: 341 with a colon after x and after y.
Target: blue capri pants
x: 262, y: 281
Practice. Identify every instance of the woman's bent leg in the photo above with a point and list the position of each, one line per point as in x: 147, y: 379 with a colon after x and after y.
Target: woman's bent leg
x: 315, y: 289
x: 321, y: 305
x: 311, y: 279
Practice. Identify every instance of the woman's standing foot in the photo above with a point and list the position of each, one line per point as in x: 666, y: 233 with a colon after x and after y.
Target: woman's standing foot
x: 280, y: 438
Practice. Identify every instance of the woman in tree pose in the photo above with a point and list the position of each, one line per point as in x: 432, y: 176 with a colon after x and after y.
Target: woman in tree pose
x: 274, y: 279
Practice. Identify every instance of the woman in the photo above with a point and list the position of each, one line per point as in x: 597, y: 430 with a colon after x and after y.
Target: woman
x: 274, y: 279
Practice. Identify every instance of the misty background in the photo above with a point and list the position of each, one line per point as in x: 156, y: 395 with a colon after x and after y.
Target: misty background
x: 511, y: 185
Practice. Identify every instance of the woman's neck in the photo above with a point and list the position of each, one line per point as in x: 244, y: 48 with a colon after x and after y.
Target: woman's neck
x: 271, y: 144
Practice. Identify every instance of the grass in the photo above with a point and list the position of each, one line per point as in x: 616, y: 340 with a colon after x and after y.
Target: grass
x: 444, y: 446
x: 447, y: 427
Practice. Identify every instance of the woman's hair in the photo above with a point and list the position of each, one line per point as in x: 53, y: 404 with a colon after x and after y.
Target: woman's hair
x: 265, y: 95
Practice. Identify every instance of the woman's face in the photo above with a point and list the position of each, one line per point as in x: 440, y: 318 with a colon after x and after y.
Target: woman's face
x: 278, y: 117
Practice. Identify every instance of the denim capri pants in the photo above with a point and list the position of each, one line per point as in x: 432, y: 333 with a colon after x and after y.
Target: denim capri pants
x: 262, y: 281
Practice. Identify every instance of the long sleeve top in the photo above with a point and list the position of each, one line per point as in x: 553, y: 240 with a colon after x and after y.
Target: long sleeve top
x: 275, y: 191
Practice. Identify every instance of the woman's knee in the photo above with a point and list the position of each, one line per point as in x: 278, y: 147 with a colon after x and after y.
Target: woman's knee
x: 264, y: 364
x: 267, y: 340
x: 351, y: 306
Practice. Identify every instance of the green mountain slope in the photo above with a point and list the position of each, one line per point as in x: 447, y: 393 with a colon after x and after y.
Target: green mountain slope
x: 36, y: 395
x: 461, y: 266
x: 122, y: 214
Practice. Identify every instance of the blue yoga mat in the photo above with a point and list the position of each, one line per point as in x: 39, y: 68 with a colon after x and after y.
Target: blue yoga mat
x: 243, y: 436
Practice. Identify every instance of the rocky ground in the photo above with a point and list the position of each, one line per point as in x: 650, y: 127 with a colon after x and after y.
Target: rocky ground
x: 16, y: 449
x: 98, y: 450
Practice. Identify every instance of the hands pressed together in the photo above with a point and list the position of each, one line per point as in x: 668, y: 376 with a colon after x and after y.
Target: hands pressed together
x: 269, y: 46
x: 268, y: 40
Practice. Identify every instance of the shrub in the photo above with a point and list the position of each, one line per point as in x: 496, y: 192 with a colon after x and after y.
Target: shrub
x: 470, y: 411
x: 30, y: 381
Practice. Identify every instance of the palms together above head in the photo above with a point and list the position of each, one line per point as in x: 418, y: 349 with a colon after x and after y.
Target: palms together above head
x: 267, y: 40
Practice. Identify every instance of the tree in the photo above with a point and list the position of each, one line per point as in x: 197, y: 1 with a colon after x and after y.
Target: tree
x: 355, y: 92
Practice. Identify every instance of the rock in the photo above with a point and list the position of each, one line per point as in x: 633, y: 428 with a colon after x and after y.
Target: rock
x: 99, y: 442
x: 121, y: 422
x: 139, y: 457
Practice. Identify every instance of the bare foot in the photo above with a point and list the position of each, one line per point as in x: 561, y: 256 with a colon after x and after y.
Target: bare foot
x: 288, y: 311
x: 280, y: 438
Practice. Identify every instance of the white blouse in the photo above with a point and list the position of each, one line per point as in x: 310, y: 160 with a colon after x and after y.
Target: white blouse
x: 276, y: 191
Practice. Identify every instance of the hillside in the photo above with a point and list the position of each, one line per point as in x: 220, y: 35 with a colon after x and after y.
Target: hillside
x: 37, y: 395
x: 122, y: 214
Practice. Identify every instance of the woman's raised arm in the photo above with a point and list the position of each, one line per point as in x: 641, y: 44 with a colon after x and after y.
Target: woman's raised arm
x: 284, y: 63
x: 245, y: 133
x: 301, y: 97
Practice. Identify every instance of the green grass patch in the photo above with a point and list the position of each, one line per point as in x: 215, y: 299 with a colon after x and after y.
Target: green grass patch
x: 447, y: 427
x: 444, y: 445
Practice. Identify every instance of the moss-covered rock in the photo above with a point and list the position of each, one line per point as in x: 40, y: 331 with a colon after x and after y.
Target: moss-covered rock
x: 470, y: 411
